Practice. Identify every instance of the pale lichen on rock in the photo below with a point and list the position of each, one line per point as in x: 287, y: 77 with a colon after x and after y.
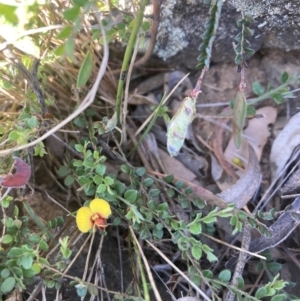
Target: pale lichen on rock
x: 170, y: 38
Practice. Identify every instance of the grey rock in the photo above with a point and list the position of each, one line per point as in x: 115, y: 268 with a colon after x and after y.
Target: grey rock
x: 276, y: 26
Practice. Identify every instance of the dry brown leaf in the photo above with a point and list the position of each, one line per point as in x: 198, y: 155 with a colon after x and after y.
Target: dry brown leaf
x: 243, y: 190
x: 256, y: 135
x: 284, y: 145
x: 176, y: 168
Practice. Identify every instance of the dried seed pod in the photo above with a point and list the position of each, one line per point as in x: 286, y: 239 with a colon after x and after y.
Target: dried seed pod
x: 178, y: 126
x: 238, y: 119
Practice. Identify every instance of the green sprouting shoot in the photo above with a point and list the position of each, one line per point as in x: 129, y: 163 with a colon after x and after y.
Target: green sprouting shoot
x: 242, y: 48
x: 211, y: 27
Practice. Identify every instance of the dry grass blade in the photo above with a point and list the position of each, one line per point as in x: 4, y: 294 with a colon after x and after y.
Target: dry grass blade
x: 234, y: 247
x: 179, y: 271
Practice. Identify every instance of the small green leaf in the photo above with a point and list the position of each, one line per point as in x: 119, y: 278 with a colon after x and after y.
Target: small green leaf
x: 37, y: 267
x: 240, y: 22
x: 158, y: 233
x: 183, y: 243
x: 98, y: 179
x: 80, y: 3
x: 188, y: 190
x: 125, y: 168
x: 79, y: 148
x: 179, y: 184
x: 13, y: 135
x: 63, y: 171
x: 208, y: 274
x: 7, y: 239
x: 64, y: 33
x: 251, y: 111
x: 154, y: 193
x: 196, y: 228
x: 109, y: 181
x: 69, y: 180
x: 77, y: 163
x: 32, y: 122
x: 140, y: 171
x: 9, y: 13
x: 278, y: 285
x: 80, y: 122
x: 248, y: 31
x: 6, y: 201
x: 152, y: 205
x: 238, y: 59
x: 148, y: 182
x: 70, y: 47
x: 146, y: 25
x: 100, y: 169
x: 169, y: 178
x: 281, y: 297
x: 238, y: 37
x: 131, y: 195
x: 225, y: 275
x: 117, y: 221
x: 261, y: 292
x: 170, y: 192
x: 34, y: 238
x: 211, y: 257
x: 8, y: 285
x: 209, y: 219
x: 93, y: 290
x: 43, y: 245
x: 240, y: 282
x: 60, y: 50
x: 162, y: 207
x: 274, y: 267
x: 249, y: 51
x: 101, y: 188
x: 257, y: 88
x: 26, y: 261
x: 72, y: 13
x: 18, y: 223
x: 85, y: 70
x: 5, y: 273
x: 277, y: 97
x: 284, y: 77
x: 196, y: 252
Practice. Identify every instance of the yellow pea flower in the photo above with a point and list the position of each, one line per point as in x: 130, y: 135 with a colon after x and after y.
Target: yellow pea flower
x: 95, y: 215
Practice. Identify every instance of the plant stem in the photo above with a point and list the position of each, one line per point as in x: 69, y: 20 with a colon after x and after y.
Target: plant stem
x: 271, y: 92
x: 127, y: 55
